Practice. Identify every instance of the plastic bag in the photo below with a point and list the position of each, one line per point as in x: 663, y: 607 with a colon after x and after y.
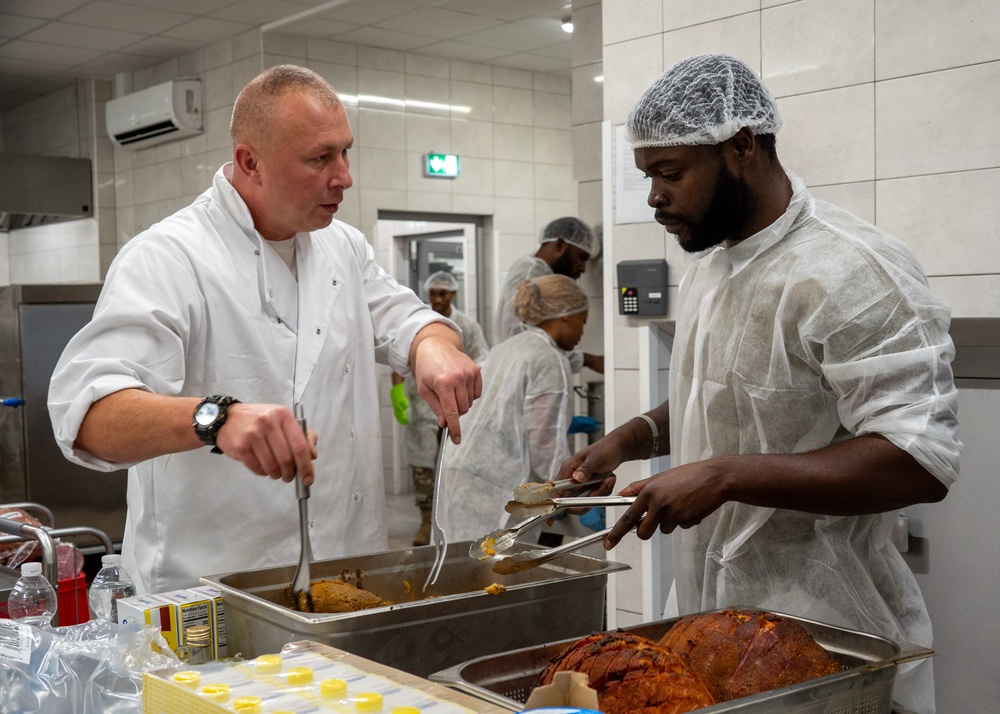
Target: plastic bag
x: 92, y: 668
x: 13, y: 554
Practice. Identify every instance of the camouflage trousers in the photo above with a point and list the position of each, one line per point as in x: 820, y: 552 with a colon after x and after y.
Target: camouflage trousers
x: 423, y: 486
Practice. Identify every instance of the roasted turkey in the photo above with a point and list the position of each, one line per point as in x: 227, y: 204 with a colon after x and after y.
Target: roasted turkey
x: 632, y: 675
x: 743, y: 652
x: 334, y: 595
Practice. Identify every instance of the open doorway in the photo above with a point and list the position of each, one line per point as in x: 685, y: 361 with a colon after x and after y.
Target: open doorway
x: 420, y: 244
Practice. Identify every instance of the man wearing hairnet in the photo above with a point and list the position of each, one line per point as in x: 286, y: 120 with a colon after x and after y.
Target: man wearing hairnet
x: 566, y: 245
x: 421, y: 434
x: 811, y: 393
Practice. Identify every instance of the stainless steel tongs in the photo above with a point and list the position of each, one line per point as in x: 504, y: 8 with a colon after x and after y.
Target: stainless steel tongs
x: 438, y: 537
x: 510, y: 564
x: 301, y: 592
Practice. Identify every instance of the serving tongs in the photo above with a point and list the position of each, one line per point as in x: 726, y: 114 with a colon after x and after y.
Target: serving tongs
x: 502, y: 538
x: 527, y: 559
x: 301, y: 592
x: 438, y: 537
x: 534, y: 492
x: 544, y: 508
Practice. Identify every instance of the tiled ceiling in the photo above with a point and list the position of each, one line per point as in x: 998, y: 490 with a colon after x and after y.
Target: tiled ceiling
x: 48, y: 44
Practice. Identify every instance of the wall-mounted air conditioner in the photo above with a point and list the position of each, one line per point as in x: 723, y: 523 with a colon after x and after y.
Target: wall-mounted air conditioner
x: 168, y: 111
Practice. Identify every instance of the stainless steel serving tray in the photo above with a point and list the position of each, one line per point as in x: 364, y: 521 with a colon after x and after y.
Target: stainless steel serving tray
x: 560, y: 599
x: 863, y: 687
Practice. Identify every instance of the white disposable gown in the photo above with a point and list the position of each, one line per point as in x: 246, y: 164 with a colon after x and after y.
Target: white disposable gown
x: 420, y: 435
x: 514, y: 433
x: 525, y: 268
x: 200, y: 304
x: 815, y: 330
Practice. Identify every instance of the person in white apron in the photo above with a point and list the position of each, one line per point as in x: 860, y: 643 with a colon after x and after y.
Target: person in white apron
x: 811, y: 392
x: 517, y: 431
x: 216, y: 321
x: 421, y: 433
x: 565, y: 246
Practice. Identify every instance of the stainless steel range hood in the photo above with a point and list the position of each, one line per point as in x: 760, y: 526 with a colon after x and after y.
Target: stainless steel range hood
x: 35, y: 190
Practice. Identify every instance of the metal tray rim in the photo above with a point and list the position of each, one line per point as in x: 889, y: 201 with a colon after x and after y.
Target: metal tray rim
x: 608, y: 567
x: 906, y: 652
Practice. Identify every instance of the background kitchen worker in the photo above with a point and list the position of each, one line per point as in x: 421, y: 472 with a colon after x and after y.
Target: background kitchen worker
x: 566, y: 246
x: 517, y: 431
x: 421, y: 433
x: 253, y: 292
x: 811, y: 393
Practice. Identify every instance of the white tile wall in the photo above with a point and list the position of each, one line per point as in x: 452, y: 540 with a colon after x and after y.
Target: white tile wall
x: 917, y: 36
x: 950, y: 115
x: 813, y: 44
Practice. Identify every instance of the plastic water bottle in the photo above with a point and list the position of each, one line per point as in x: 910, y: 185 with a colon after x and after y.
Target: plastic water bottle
x: 32, y: 599
x: 110, y: 584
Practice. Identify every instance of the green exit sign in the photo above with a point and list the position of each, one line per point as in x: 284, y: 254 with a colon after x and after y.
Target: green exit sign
x: 441, y: 165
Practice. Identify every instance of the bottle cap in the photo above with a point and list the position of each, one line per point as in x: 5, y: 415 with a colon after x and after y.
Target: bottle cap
x: 268, y: 664
x: 187, y: 678
x: 199, y: 635
x: 247, y: 705
x: 299, y: 676
x: 111, y: 559
x: 368, y: 702
x: 31, y: 568
x: 332, y: 688
x: 216, y: 692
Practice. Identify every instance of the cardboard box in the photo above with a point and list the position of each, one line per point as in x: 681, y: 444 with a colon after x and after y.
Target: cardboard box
x: 220, y: 646
x: 152, y: 610
x: 163, y: 694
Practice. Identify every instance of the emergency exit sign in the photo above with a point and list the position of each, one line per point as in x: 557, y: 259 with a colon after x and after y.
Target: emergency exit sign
x: 441, y: 165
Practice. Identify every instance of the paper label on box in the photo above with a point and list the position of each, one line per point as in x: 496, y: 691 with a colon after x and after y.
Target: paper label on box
x: 15, y: 641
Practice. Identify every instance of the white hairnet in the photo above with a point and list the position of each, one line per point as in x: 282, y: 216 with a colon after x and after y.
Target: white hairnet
x: 573, y: 231
x: 702, y: 100
x: 548, y: 297
x: 443, y: 280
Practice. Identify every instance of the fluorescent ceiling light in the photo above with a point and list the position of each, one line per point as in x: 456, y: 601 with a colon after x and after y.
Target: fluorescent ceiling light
x: 360, y: 99
x: 567, y: 24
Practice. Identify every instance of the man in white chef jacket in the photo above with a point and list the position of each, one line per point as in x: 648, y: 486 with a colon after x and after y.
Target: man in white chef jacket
x: 811, y: 393
x: 214, y: 322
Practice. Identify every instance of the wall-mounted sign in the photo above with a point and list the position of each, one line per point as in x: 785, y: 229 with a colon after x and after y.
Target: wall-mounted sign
x: 441, y: 165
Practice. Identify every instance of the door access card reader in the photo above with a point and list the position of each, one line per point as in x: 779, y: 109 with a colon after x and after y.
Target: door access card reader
x: 642, y: 287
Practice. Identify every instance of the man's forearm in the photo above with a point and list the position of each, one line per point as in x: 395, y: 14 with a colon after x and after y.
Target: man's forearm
x: 866, y: 474
x: 134, y: 425
x: 435, y: 330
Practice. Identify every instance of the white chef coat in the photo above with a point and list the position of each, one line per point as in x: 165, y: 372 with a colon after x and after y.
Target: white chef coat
x: 201, y: 304
x: 526, y: 267
x: 515, y: 432
x: 819, y: 328
x: 420, y: 435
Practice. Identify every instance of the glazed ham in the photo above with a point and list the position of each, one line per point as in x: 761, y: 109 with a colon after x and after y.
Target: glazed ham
x: 632, y: 675
x: 743, y: 652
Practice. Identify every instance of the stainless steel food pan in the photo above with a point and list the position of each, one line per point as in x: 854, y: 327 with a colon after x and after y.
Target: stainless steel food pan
x: 561, y: 599
x: 864, y: 687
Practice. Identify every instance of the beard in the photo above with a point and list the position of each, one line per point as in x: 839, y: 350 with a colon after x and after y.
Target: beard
x: 727, y: 212
x: 563, y: 265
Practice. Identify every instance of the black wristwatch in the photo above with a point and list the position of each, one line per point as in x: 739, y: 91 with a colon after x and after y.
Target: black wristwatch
x: 209, y: 416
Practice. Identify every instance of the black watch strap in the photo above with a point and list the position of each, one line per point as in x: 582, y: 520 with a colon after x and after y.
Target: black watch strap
x: 208, y: 421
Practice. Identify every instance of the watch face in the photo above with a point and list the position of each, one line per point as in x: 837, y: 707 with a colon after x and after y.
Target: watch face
x: 207, y: 413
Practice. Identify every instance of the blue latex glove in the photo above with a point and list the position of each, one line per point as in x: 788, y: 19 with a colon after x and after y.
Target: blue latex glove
x: 594, y: 519
x: 584, y: 425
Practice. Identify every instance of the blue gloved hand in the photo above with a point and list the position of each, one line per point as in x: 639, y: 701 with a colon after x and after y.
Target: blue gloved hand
x: 584, y: 425
x: 594, y: 519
